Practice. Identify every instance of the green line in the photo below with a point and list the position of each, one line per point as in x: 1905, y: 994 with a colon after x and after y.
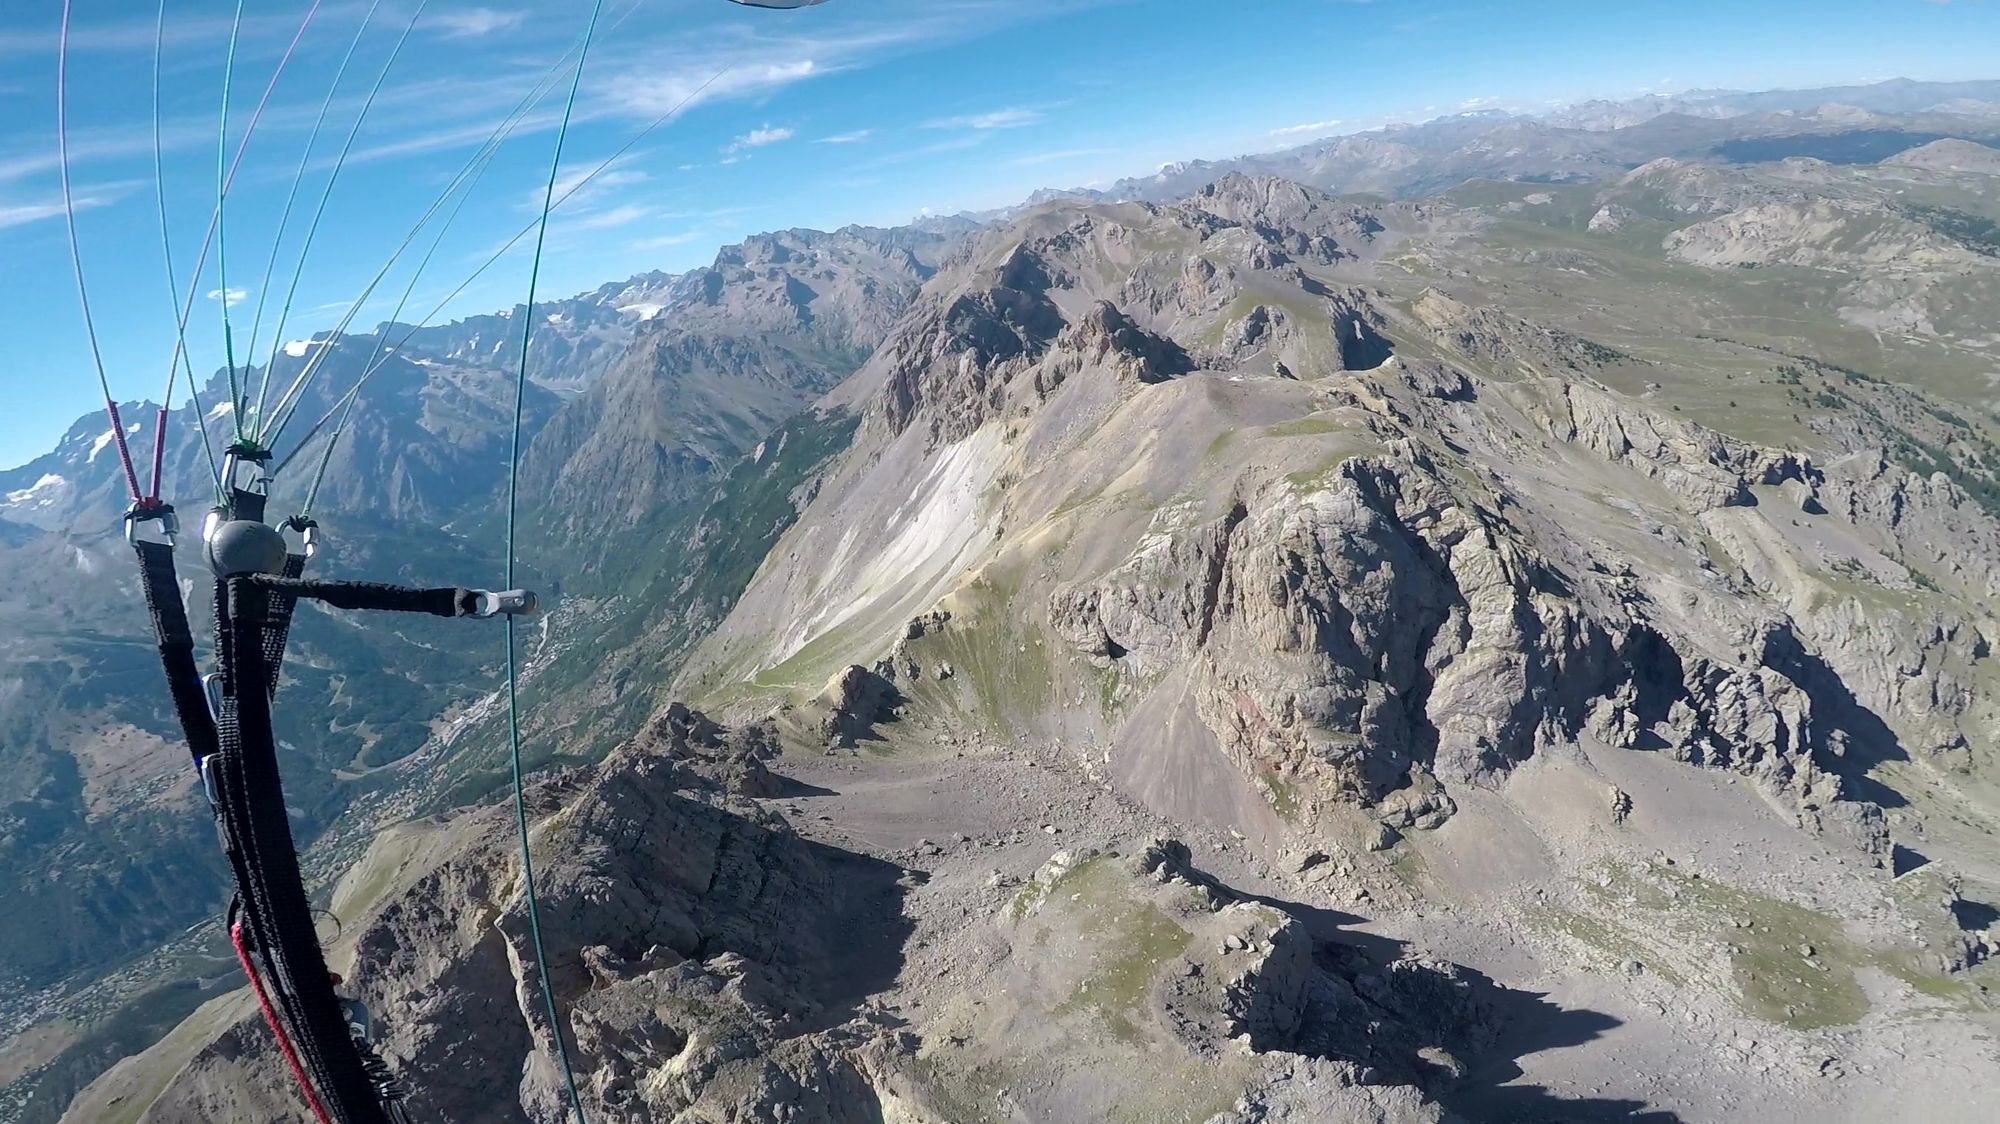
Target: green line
x: 285, y: 216
x: 513, y: 504
x: 264, y: 433
x: 173, y: 286
x: 221, y: 238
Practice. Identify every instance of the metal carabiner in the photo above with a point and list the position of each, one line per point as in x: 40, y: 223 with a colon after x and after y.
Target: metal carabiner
x: 308, y: 530
x: 143, y: 511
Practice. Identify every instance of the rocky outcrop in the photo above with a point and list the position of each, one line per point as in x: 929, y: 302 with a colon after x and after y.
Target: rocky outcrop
x: 1107, y: 338
x: 1272, y: 986
x: 1821, y: 234
x: 1697, y: 464
x: 1379, y: 626
x: 702, y: 956
x: 1303, y: 1090
x: 1484, y: 334
x: 953, y: 360
x: 854, y: 700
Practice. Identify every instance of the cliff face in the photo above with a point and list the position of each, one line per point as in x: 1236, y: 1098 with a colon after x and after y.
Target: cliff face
x: 1143, y: 441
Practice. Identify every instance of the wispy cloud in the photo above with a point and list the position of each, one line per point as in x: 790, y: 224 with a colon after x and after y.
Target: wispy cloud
x: 760, y: 138
x: 605, y: 220
x: 1013, y: 117
x: 645, y: 93
x: 230, y: 298
x: 955, y: 144
x: 471, y: 23
x: 855, y: 137
x: 21, y: 214
x: 1308, y: 127
x: 571, y: 177
x: 88, y: 197
x: 137, y: 34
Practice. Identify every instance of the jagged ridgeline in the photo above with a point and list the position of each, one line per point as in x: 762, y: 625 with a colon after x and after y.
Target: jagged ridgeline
x: 1135, y: 643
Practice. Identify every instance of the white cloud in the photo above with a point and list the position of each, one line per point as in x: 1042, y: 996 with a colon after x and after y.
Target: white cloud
x: 1308, y: 127
x: 234, y: 297
x: 604, y: 220
x: 953, y: 144
x: 759, y: 138
x: 855, y: 137
x: 648, y: 93
x: 20, y: 214
x: 1011, y: 118
x: 469, y: 23
x: 572, y: 178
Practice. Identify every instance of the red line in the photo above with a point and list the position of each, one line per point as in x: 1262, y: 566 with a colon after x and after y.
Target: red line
x: 124, y: 450
x: 277, y: 1029
x: 159, y: 452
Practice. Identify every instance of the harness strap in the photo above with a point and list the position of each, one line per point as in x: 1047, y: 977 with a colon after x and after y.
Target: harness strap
x: 277, y: 906
x: 175, y: 639
x: 278, y: 625
x: 450, y: 601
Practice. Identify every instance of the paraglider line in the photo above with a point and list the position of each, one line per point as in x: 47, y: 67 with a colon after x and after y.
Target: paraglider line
x: 312, y: 228
x: 345, y: 406
x: 291, y: 197
x: 513, y: 498
x: 221, y: 232
x: 76, y: 256
x: 277, y: 1026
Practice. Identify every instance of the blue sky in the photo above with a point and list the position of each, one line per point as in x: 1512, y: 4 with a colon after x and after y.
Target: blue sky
x: 867, y: 111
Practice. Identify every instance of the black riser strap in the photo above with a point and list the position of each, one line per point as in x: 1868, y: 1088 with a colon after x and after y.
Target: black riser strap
x: 444, y: 602
x: 175, y: 639
x: 276, y: 901
x: 278, y: 626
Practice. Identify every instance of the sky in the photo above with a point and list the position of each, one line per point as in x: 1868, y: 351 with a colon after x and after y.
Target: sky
x: 704, y: 121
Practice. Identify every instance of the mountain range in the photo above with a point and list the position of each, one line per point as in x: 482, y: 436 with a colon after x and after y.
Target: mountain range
x: 1488, y: 619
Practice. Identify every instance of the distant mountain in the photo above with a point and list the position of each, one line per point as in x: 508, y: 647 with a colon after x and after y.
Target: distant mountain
x: 1594, y: 140
x: 1951, y: 156
x: 730, y: 352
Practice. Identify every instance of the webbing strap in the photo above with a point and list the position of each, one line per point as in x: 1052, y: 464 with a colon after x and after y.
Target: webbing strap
x: 175, y: 639
x: 448, y: 601
x: 278, y: 626
x: 277, y: 908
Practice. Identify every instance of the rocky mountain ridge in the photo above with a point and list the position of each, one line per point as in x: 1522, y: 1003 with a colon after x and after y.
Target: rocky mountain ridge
x: 1361, y: 548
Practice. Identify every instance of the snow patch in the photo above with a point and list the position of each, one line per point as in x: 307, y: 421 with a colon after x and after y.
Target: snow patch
x: 40, y: 494
x: 98, y: 445
x: 642, y: 310
x: 221, y: 410
x: 297, y: 348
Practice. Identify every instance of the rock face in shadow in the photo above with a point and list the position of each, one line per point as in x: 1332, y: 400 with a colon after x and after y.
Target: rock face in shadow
x: 707, y: 962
